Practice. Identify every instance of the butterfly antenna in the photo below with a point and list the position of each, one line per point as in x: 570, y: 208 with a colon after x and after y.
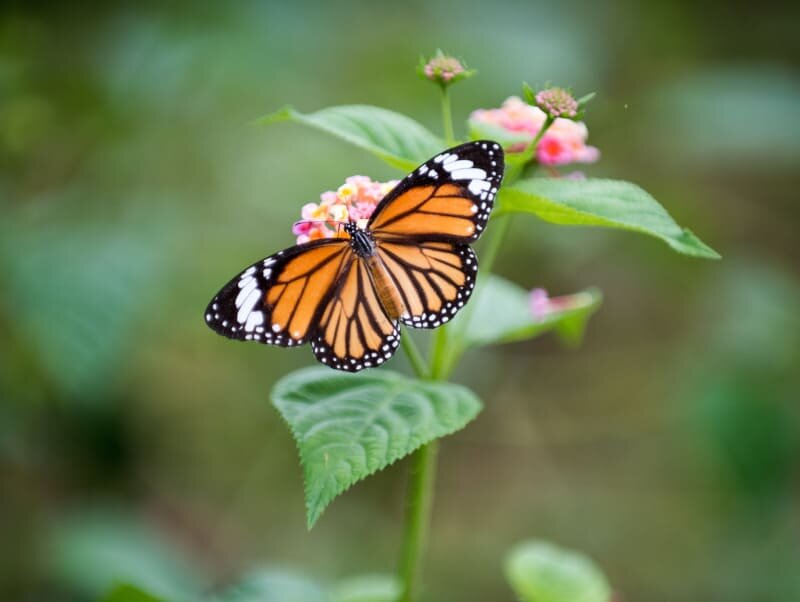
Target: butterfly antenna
x: 319, y: 221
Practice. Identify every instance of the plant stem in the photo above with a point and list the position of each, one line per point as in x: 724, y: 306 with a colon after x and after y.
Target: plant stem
x: 498, y: 234
x: 447, y: 118
x: 418, y: 516
x: 414, y: 356
x: 422, y: 474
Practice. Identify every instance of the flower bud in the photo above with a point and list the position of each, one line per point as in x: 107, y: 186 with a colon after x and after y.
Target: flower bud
x: 557, y: 102
x: 443, y: 69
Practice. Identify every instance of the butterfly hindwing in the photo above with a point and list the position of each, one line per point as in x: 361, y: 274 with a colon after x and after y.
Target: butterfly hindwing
x: 435, y: 279
x: 449, y: 197
x: 277, y: 300
x: 354, y: 331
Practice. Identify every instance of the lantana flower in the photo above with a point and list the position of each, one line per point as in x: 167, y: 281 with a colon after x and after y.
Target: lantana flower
x: 355, y: 200
x: 564, y: 141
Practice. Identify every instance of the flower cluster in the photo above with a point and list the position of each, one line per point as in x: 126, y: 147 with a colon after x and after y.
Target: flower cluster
x: 564, y: 141
x: 355, y: 200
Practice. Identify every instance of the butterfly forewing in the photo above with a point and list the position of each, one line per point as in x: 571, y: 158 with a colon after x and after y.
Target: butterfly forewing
x: 277, y: 299
x: 448, y: 197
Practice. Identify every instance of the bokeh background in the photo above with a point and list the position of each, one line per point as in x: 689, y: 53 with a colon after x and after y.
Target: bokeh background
x: 134, y: 183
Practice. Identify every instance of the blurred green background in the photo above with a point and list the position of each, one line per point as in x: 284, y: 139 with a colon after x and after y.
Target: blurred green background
x: 133, y: 184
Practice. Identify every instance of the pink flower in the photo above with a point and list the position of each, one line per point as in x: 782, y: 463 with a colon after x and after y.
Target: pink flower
x: 552, y: 150
x: 563, y: 143
x: 543, y: 305
x: 539, y: 302
x: 355, y: 200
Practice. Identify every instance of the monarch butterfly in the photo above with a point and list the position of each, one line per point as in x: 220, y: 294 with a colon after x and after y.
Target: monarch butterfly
x: 411, y: 264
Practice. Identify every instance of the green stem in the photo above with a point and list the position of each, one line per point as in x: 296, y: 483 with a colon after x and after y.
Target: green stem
x: 414, y: 356
x: 438, y: 353
x: 447, y: 118
x: 422, y: 474
x: 522, y: 160
x: 418, y: 516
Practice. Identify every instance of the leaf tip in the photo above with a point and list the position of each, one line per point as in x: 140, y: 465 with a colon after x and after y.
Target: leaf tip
x: 283, y: 114
x: 689, y: 244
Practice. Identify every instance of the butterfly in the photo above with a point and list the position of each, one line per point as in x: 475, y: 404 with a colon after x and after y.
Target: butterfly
x: 411, y: 264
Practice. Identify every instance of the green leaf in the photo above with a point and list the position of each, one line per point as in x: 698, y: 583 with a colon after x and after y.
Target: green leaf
x: 611, y: 203
x: 126, y: 592
x: 272, y: 585
x: 500, y: 312
x: 368, y: 588
x: 347, y: 426
x: 89, y: 553
x: 396, y: 139
x: 541, y: 572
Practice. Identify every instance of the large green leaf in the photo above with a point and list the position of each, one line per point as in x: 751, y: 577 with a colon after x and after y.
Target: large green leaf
x: 541, y: 572
x: 390, y: 136
x: 274, y: 585
x: 611, y: 203
x: 500, y: 312
x: 368, y: 588
x: 348, y: 426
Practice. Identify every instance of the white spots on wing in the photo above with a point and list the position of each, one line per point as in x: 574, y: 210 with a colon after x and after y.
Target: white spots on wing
x: 276, y: 327
x: 464, y: 169
x: 248, y: 285
x: 248, y: 296
x: 209, y: 317
x: 255, y: 318
x: 478, y: 186
x: 267, y: 273
x: 470, y: 174
x: 423, y: 169
x: 458, y: 165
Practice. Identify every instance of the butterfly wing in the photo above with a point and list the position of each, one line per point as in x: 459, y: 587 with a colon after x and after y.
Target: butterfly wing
x: 278, y: 299
x: 447, y: 198
x: 354, y: 330
x: 423, y: 228
x: 434, y: 279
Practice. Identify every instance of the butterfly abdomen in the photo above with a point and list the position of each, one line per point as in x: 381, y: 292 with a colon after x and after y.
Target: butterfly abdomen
x: 387, y: 291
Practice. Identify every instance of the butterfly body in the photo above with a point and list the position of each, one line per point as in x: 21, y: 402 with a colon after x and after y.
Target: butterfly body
x: 412, y: 264
x: 360, y: 240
